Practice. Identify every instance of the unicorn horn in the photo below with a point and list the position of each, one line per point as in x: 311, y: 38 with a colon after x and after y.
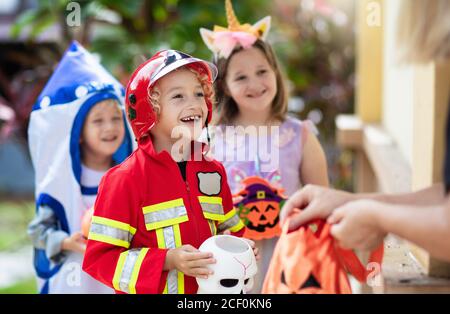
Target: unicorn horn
x: 233, y: 23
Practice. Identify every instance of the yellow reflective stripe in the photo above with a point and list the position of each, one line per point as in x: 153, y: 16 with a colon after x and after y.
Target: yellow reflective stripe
x: 228, y: 215
x: 118, y: 271
x: 109, y: 240
x: 210, y: 199
x: 211, y: 216
x: 215, y: 213
x: 177, y: 234
x: 180, y: 282
x: 212, y: 226
x: 114, y: 224
x: 165, y: 223
x: 232, y: 214
x: 169, y: 204
x: 161, y: 245
x: 136, y: 269
x: 237, y: 226
x: 160, y: 239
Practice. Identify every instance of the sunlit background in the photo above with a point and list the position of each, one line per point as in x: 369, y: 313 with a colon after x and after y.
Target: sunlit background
x: 314, y: 41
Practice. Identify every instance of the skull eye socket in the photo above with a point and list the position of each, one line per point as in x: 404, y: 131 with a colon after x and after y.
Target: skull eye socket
x: 229, y: 283
x: 246, y: 281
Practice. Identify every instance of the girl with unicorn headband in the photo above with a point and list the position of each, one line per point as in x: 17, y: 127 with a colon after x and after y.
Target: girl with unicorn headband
x: 267, y: 154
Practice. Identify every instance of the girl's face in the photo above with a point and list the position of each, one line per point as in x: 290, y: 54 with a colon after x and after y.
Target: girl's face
x: 182, y: 106
x: 103, y: 130
x: 251, y: 81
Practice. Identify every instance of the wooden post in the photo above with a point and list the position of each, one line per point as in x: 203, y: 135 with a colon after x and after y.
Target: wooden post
x: 432, y: 86
x: 369, y: 69
x: 369, y: 61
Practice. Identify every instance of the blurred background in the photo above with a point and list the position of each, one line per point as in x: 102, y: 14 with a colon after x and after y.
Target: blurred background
x: 314, y: 41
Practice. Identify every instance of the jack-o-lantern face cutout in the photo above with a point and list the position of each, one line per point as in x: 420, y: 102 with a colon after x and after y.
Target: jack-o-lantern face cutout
x: 311, y: 285
x: 307, y: 261
x: 259, y: 208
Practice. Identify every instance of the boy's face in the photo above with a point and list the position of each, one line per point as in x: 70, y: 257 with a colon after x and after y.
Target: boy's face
x: 182, y: 106
x: 103, y: 130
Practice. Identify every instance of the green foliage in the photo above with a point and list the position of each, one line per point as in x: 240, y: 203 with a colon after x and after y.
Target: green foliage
x: 27, y: 286
x: 313, y: 39
x: 144, y: 26
x: 14, y: 219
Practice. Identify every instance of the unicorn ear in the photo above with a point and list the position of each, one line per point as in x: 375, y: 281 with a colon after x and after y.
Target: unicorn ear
x: 208, y: 38
x: 262, y: 27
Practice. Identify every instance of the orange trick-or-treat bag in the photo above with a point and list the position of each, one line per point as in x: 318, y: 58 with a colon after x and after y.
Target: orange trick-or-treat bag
x: 308, y: 260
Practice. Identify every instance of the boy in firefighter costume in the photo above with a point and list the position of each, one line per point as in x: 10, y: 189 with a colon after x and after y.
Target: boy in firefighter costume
x: 152, y: 213
x: 78, y: 118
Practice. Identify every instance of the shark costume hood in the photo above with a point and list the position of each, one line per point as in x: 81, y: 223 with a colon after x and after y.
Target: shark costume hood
x: 56, y: 122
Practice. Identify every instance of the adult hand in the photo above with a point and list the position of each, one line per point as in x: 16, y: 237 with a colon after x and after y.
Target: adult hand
x: 355, y: 225
x: 316, y: 202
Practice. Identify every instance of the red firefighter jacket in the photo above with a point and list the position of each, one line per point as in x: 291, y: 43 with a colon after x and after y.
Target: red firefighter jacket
x: 144, y: 208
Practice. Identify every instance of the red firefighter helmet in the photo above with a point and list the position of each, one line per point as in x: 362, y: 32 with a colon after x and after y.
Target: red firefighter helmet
x: 138, y: 106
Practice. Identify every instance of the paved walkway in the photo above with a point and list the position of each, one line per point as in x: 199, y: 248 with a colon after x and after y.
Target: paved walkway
x: 16, y: 266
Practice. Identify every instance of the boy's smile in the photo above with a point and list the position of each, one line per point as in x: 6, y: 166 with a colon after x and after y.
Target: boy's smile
x: 191, y: 118
x: 182, y: 108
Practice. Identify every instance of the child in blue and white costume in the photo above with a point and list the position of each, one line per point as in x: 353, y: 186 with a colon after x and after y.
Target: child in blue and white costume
x: 77, y: 131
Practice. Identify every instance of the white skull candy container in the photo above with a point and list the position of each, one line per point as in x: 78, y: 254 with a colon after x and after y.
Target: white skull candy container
x: 234, y: 269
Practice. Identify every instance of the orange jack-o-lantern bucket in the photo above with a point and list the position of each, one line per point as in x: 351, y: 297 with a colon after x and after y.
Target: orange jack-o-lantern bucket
x: 308, y: 260
x: 259, y: 206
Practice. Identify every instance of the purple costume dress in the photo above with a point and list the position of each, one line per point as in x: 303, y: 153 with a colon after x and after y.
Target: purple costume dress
x: 274, y: 155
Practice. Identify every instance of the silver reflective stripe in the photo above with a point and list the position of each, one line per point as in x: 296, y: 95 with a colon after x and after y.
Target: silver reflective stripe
x: 112, y: 232
x: 165, y: 214
x: 172, y: 282
x: 169, y: 237
x: 227, y: 224
x: 172, y: 276
x: 127, y: 269
x: 212, y: 208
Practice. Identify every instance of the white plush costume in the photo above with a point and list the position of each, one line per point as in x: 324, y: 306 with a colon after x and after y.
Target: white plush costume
x: 78, y: 83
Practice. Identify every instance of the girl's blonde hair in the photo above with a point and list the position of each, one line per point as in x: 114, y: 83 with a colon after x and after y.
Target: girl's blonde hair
x: 424, y: 30
x: 226, y: 107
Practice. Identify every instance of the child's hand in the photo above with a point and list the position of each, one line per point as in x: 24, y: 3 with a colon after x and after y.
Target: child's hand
x: 250, y: 242
x: 189, y: 261
x: 75, y: 242
x: 253, y: 246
